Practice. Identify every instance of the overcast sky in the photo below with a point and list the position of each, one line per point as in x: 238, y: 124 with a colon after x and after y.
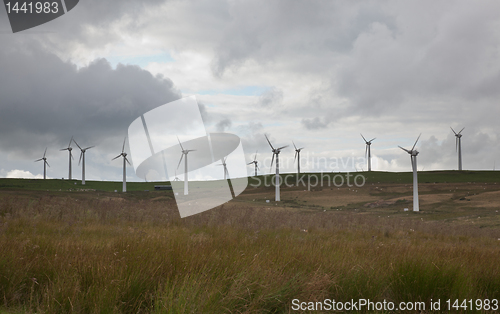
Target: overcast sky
x: 315, y: 72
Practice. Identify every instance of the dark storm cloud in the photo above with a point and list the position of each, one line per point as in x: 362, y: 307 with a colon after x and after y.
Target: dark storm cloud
x: 302, y: 34
x: 45, y: 100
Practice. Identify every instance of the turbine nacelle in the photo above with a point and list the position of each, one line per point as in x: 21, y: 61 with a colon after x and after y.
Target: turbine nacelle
x: 367, y: 142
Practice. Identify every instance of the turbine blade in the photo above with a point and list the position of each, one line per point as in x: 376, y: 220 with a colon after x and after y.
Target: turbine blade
x: 116, y: 157
x: 272, y: 160
x: 71, y: 140
x: 416, y: 142
x: 296, y: 152
x: 250, y: 163
x: 47, y: 163
x: 366, y: 150
x: 77, y: 144
x: 371, y: 140
x: 45, y: 152
x: 269, y: 142
x: 127, y: 161
x: 180, y: 161
x: 63, y: 149
x: 453, y: 130
x: 88, y: 147
x: 38, y: 159
x: 461, y: 130
x: 405, y: 149
x: 282, y: 147
x: 363, y: 137
x: 255, y: 158
x: 180, y: 144
x: 71, y: 155
x: 456, y: 144
x: 294, y: 145
x: 81, y: 154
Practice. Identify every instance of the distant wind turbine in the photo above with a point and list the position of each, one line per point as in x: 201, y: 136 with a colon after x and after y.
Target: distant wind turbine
x: 69, y: 149
x: 184, y: 155
x: 176, y: 179
x: 255, y: 162
x: 276, y: 152
x: 226, y: 173
x: 297, y: 156
x: 45, y: 164
x: 82, y: 156
x: 368, y: 153
x: 458, y: 146
x: 124, y: 155
x: 413, y: 155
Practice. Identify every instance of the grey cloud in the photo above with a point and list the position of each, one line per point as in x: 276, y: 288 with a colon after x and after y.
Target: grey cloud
x: 271, y: 97
x: 45, y: 100
x: 301, y: 34
x: 314, y: 124
x: 223, y: 124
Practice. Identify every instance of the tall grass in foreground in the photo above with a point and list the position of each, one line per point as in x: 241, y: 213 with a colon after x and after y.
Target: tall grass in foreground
x: 59, y: 255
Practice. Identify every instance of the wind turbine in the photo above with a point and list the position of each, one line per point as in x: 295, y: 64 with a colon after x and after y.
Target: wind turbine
x: 124, y: 155
x: 176, y: 179
x: 458, y: 146
x: 82, y: 155
x: 45, y: 164
x: 226, y: 173
x: 69, y: 149
x: 368, y: 152
x: 185, y: 153
x: 413, y: 155
x: 297, y: 156
x: 276, y: 152
x: 255, y: 162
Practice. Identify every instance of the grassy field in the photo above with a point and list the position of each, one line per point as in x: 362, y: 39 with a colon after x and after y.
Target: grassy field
x: 64, y: 249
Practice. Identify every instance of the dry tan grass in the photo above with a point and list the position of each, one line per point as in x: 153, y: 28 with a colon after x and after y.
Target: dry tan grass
x: 64, y: 252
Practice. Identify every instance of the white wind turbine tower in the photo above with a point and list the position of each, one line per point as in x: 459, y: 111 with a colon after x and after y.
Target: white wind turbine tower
x: 297, y: 156
x: 82, y: 155
x: 368, y: 152
x: 255, y: 162
x: 124, y: 155
x: 226, y: 173
x: 276, y: 152
x: 69, y: 149
x: 184, y: 155
x: 413, y: 155
x: 45, y: 164
x: 458, y: 146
